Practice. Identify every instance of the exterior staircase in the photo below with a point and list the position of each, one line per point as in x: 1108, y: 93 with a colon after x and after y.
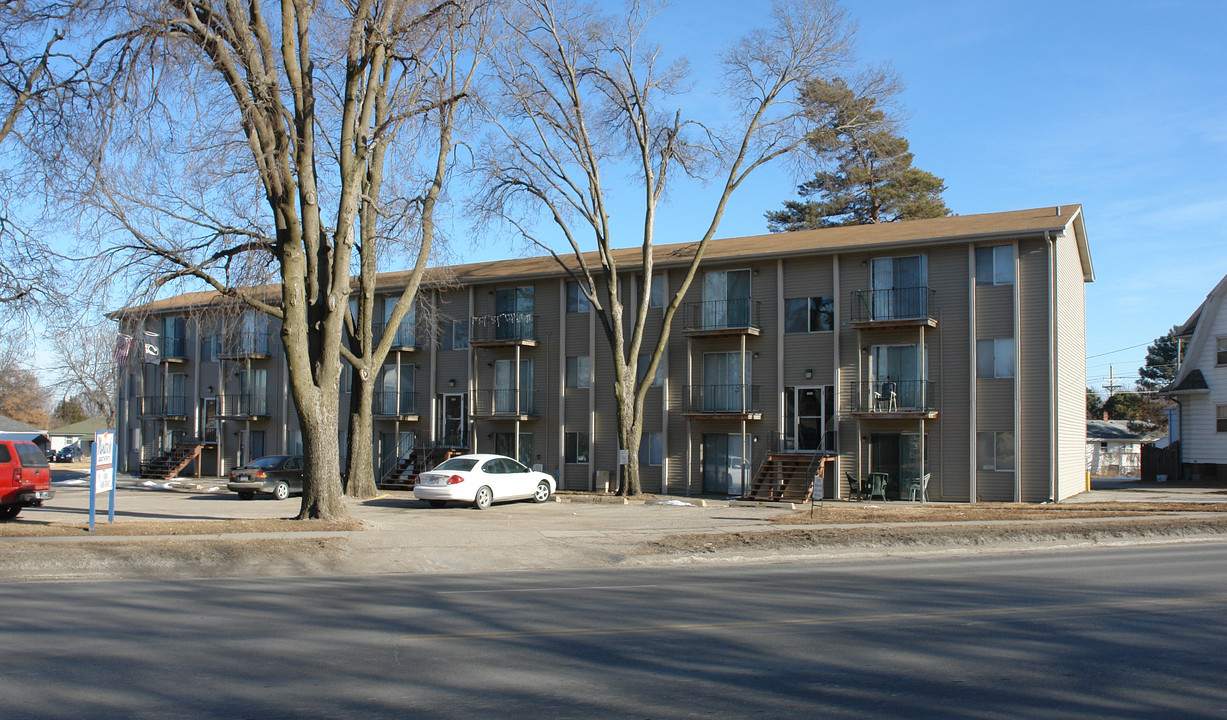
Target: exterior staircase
x: 783, y: 477
x: 403, y: 474
x: 168, y: 465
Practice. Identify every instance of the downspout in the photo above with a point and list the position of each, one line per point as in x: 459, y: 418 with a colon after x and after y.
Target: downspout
x: 1052, y: 365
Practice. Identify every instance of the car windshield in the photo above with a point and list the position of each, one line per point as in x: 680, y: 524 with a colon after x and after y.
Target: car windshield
x: 457, y: 464
x: 271, y: 461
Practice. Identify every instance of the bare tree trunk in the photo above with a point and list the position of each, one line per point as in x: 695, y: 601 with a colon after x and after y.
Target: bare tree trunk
x: 361, y: 451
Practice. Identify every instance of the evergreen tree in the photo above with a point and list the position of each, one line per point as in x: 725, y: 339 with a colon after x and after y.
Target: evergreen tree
x: 1094, y: 405
x: 1161, y: 360
x: 871, y: 178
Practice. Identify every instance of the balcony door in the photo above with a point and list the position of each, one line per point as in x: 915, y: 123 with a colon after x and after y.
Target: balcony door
x: 726, y: 298
x: 515, y: 307
x: 899, y: 287
x: 724, y: 388
x: 453, y: 419
x: 505, y: 387
x: 899, y: 369
x: 724, y: 467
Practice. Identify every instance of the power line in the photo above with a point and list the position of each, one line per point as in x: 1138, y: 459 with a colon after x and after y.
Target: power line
x: 1110, y: 352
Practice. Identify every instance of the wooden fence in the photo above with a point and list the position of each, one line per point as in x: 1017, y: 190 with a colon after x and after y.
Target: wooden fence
x: 1161, y: 461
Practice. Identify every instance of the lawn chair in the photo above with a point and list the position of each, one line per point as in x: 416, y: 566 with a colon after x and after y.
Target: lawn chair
x: 877, y: 485
x: 886, y: 396
x: 918, y: 486
x: 856, y: 487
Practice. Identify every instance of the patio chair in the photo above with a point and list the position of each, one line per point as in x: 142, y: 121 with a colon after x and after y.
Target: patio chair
x: 918, y: 486
x: 877, y: 485
x: 886, y: 396
x: 856, y: 487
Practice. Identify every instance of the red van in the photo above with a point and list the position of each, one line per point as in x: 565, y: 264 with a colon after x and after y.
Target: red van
x: 25, y: 477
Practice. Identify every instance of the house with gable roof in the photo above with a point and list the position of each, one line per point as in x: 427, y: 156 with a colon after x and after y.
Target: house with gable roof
x: 1200, y: 389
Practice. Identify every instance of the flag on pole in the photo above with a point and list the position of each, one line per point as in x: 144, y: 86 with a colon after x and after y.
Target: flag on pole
x: 123, y: 345
x: 152, y: 353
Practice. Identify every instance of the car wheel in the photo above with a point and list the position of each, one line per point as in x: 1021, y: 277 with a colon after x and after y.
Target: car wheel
x: 483, y: 498
x: 246, y: 495
x: 437, y: 503
x: 8, y: 512
x: 543, y: 492
x: 282, y: 491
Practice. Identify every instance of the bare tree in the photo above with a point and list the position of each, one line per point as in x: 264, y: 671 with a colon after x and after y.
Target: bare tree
x: 220, y: 107
x: 585, y: 96
x: 85, y: 367
x: 22, y: 395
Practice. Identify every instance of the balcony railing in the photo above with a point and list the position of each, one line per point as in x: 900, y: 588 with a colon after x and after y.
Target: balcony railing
x: 392, y: 402
x: 722, y: 315
x: 243, y: 405
x: 894, y: 396
x: 163, y: 406
x: 503, y: 328
x: 244, y: 343
x: 723, y: 400
x: 406, y: 335
x: 172, y: 348
x: 505, y: 403
x: 893, y: 304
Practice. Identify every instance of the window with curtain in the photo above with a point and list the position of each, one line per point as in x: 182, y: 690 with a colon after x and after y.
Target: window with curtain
x: 995, y: 358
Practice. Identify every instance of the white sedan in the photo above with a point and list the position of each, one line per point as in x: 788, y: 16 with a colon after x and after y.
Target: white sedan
x: 481, y: 480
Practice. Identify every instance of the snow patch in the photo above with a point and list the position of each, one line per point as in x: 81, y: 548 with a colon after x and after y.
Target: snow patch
x: 676, y: 503
x: 70, y: 482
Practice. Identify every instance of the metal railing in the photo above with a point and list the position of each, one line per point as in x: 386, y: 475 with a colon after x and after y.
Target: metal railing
x: 391, y: 402
x: 172, y: 347
x: 722, y: 399
x: 502, y: 327
x: 243, y: 404
x: 914, y: 303
x: 164, y: 405
x: 901, y: 396
x: 243, y: 343
x: 495, y: 403
x: 736, y: 314
x: 406, y: 334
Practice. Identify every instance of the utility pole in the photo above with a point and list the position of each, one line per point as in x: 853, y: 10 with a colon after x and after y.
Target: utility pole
x: 1111, y: 385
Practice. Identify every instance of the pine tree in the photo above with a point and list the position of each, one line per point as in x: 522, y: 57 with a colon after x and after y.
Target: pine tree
x: 1161, y: 360
x: 872, y: 179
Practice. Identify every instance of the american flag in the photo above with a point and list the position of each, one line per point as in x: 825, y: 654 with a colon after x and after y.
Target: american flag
x: 123, y: 344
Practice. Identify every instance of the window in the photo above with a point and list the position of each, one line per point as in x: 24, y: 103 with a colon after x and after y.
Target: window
x: 347, y: 377
x: 642, y: 370
x: 995, y: 358
x: 505, y: 390
x: 514, y: 309
x: 504, y: 444
x: 995, y: 451
x: 1220, y: 423
x: 577, y: 447
x: 656, y: 296
x: 209, y: 348
x: 579, y: 371
x: 813, y: 314
x: 724, y: 388
x: 454, y: 335
x: 1220, y: 351
x: 405, y: 332
x: 173, y: 332
x: 899, y: 287
x: 255, y: 444
x: 995, y: 265
x: 726, y: 299
x: 651, y: 449
x: 253, y: 392
x: 577, y: 301
x: 296, y: 449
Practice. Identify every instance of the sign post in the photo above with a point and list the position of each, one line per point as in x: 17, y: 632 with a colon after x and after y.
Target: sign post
x: 102, y: 473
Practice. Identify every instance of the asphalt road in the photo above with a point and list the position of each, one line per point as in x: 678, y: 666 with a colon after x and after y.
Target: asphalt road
x: 1119, y: 632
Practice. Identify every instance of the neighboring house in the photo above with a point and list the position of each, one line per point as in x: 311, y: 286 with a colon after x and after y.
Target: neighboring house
x: 80, y: 434
x: 1114, y: 447
x: 11, y: 429
x: 1200, y: 389
x: 953, y: 346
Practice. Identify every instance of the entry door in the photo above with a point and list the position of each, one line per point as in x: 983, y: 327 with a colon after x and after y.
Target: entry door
x: 453, y: 420
x: 810, y: 423
x: 208, y: 419
x: 724, y: 469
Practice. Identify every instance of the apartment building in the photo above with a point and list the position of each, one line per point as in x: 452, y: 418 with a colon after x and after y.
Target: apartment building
x: 952, y: 347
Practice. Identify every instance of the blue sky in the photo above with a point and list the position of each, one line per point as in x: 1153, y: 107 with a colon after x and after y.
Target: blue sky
x: 1119, y: 106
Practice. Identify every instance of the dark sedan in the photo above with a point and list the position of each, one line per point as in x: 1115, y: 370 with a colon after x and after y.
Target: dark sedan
x: 277, y: 475
x: 68, y: 453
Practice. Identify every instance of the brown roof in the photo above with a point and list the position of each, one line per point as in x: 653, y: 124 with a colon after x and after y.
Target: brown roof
x: 956, y: 228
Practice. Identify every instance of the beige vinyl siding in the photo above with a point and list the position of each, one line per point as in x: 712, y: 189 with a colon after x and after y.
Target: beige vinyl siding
x: 950, y: 375
x: 853, y: 452
x: 1035, y: 412
x: 604, y: 440
x: 1071, y: 368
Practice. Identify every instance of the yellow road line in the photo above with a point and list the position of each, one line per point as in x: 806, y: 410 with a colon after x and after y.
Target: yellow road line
x: 953, y: 614
x: 377, y: 497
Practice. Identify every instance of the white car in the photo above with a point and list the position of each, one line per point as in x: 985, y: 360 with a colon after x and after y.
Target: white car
x: 482, y: 480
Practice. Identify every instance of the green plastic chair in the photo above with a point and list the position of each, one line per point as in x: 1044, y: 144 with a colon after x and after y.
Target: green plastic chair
x: 877, y: 485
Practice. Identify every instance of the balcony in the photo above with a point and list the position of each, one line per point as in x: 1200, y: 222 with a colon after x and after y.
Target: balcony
x: 172, y: 350
x: 503, y: 329
x: 505, y: 404
x: 244, y: 345
x: 171, y: 407
x: 244, y: 406
x: 713, y: 318
x: 406, y: 336
x: 723, y: 402
x: 894, y: 308
x: 401, y: 405
x: 894, y: 399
